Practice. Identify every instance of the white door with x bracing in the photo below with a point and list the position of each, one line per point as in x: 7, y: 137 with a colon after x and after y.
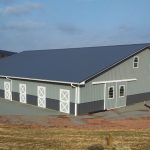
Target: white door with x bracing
x: 22, y: 90
x: 64, y: 101
x: 41, y: 92
x: 7, y: 88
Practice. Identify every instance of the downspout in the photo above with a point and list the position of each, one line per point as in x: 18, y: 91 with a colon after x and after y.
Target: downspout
x: 73, y: 85
x: 104, y: 96
x: 76, y: 99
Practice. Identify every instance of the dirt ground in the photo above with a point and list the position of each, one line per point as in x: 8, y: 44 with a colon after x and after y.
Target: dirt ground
x: 66, y: 122
x: 132, y: 117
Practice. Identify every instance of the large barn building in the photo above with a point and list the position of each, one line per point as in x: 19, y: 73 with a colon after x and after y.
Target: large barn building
x: 78, y: 80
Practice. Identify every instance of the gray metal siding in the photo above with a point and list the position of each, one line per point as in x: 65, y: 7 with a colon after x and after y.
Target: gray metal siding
x: 122, y: 71
x: 32, y: 99
x: 1, y: 84
x: 52, y: 90
x: 52, y: 104
x: 52, y: 93
x: 132, y: 99
x: 2, y: 93
x: 15, y: 96
x: 85, y: 108
x: 91, y: 93
x: 72, y: 110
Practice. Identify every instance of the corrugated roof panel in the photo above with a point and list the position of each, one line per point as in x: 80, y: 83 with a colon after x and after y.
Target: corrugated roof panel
x: 69, y: 65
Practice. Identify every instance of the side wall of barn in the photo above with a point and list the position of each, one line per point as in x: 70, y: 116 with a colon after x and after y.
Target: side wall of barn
x: 138, y: 90
x: 52, y: 93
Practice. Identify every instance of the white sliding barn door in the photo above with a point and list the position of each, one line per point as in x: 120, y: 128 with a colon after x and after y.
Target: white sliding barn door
x: 7, y: 88
x: 22, y: 90
x: 41, y: 92
x: 64, y: 101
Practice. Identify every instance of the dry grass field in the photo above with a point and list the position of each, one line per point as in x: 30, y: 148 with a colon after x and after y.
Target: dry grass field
x: 49, y: 130
x: 40, y: 138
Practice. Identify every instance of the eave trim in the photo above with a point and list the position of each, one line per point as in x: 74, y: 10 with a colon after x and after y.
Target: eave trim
x: 32, y: 79
x: 113, y: 81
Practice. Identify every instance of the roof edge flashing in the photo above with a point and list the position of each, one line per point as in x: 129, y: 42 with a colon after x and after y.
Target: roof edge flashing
x: 41, y: 80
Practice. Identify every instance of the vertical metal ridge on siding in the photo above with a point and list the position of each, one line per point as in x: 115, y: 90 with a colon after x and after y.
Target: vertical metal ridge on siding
x: 15, y: 96
x: 132, y: 99
x: 1, y: 93
x: 52, y: 104
x: 32, y: 99
x: 84, y: 108
x: 72, y: 108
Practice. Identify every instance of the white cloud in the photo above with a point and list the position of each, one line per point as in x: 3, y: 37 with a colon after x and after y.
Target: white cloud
x: 21, y: 9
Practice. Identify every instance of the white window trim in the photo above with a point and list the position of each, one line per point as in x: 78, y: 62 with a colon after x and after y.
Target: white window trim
x: 113, y: 91
x: 136, y: 62
x: 124, y: 91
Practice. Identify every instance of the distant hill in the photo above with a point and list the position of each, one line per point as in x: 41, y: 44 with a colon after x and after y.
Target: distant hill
x: 4, y: 53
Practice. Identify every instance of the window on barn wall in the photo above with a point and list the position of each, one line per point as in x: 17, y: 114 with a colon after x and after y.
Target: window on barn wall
x: 111, y: 92
x: 136, y: 62
x: 121, y: 91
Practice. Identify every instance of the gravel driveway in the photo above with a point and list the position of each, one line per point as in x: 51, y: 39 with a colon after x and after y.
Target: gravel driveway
x: 15, y: 108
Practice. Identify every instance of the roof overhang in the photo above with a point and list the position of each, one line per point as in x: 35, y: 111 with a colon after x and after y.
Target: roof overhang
x: 41, y: 80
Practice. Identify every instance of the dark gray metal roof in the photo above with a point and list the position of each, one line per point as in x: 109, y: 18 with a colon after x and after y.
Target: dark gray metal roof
x: 67, y: 65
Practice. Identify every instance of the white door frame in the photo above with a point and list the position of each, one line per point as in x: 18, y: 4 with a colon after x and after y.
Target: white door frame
x: 41, y: 94
x: 114, y: 95
x: 111, y: 81
x: 64, y: 101
x: 22, y: 95
x: 7, y: 90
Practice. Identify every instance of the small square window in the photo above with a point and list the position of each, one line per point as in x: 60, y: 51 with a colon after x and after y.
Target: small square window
x: 136, y: 62
x: 121, y: 90
x: 111, y: 92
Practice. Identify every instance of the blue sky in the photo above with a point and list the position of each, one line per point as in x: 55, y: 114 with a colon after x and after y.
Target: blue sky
x: 48, y: 24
